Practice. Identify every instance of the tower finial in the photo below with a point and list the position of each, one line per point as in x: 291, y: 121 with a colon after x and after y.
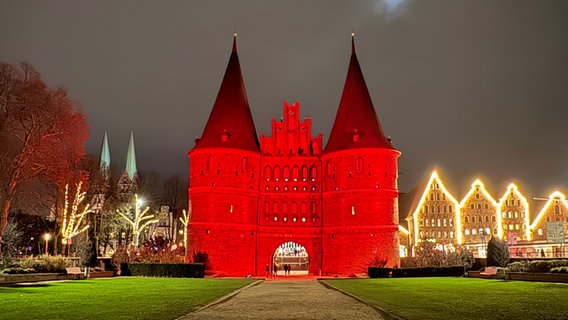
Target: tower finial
x: 352, y: 42
x: 235, y: 41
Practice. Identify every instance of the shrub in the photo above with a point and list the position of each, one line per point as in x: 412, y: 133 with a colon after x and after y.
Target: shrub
x: 519, y: 266
x: 539, y: 266
x: 542, y: 266
x: 45, y: 263
x: 18, y: 270
x: 497, y: 253
x: 174, y: 270
x: 559, y: 270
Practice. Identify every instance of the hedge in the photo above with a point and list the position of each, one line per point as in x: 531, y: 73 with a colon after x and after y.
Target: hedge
x: 173, y: 270
x: 454, y: 271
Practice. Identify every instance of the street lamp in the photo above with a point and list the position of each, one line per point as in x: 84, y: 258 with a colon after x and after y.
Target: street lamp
x: 47, y: 236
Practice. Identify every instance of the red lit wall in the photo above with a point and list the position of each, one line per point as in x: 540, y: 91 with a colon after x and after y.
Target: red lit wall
x: 342, y: 206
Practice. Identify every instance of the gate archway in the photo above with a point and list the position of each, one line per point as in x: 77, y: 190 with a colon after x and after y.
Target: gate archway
x: 294, y: 256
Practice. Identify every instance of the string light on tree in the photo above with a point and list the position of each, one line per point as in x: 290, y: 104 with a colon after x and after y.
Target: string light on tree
x: 72, y: 216
x: 140, y: 221
x: 185, y: 221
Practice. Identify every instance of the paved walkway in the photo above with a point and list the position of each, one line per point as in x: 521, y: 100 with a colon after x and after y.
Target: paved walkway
x: 288, y: 299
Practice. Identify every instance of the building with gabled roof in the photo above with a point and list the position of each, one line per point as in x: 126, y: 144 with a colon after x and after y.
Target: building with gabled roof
x: 479, y: 215
x: 286, y: 200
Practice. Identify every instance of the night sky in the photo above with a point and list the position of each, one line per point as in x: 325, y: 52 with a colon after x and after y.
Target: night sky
x: 475, y: 88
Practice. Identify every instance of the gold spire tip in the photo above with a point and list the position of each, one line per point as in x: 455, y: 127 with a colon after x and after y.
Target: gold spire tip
x: 352, y: 34
x: 235, y: 34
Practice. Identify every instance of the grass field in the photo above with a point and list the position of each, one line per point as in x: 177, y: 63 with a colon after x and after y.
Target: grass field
x: 116, y: 298
x: 461, y: 298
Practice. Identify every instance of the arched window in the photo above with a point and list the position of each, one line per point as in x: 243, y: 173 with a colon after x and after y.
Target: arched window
x: 359, y: 164
x: 294, y: 207
x: 493, y: 219
x: 313, y: 173
x: 266, y: 206
x: 466, y: 219
x: 556, y: 209
x: 539, y: 231
x: 277, y: 173
x: 286, y: 173
x: 295, y: 173
x: 245, y: 164
x: 285, y: 207
x: 267, y: 173
x: 450, y: 209
x: 421, y: 222
x: 473, y: 219
x: 304, y: 207
x: 275, y: 207
x: 304, y: 173
x: 472, y: 206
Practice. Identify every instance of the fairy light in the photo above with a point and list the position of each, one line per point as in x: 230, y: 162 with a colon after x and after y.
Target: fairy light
x: 477, y: 184
x: 513, y: 189
x: 140, y: 221
x: 553, y: 198
x: 185, y: 218
x: 434, y: 178
x: 72, y: 216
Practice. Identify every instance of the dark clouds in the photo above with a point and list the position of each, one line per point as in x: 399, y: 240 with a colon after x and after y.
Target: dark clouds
x: 474, y: 87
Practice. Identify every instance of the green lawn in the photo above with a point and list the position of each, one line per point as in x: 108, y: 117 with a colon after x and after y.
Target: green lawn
x: 461, y: 298
x: 116, y: 298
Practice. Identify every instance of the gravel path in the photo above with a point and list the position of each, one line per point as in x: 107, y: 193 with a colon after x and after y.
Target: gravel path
x: 285, y: 299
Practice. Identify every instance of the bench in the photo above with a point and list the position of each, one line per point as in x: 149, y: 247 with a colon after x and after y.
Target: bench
x: 73, y: 270
x: 489, y: 271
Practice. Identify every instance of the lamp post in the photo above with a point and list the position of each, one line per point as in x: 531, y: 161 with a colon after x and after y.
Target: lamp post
x: 47, y: 236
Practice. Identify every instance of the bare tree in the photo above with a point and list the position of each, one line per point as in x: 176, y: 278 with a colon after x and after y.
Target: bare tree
x: 43, y: 137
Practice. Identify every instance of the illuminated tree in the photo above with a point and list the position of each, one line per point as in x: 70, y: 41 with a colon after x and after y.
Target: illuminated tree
x: 140, y: 219
x: 42, y: 136
x: 72, y: 216
x: 185, y: 221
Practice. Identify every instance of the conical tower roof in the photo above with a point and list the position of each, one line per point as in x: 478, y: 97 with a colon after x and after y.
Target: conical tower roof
x: 356, y: 123
x: 230, y: 123
x: 105, y: 158
x: 131, y: 158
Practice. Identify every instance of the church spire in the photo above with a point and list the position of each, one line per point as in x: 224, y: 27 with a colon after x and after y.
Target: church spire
x: 230, y: 123
x: 105, y: 158
x: 131, y: 158
x: 356, y: 123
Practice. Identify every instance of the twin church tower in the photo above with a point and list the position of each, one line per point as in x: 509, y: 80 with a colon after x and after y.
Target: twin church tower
x: 287, y: 199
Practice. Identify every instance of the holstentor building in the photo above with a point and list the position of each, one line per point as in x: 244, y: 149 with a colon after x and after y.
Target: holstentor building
x: 284, y: 198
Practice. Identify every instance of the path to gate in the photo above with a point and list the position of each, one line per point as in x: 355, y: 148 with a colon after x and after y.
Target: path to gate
x: 288, y: 299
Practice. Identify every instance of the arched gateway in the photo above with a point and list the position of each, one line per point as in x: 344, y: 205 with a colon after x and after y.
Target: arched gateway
x: 291, y: 256
x: 273, y: 198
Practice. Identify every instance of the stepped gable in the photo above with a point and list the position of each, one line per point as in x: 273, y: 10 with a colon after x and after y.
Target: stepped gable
x: 230, y: 123
x: 356, y: 123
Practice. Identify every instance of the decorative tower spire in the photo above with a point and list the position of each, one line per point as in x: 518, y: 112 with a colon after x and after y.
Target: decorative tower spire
x: 105, y: 159
x: 230, y: 123
x: 131, y: 158
x: 356, y: 123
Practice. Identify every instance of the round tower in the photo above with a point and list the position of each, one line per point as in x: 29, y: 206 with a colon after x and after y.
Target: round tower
x: 223, y: 181
x: 360, y: 191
